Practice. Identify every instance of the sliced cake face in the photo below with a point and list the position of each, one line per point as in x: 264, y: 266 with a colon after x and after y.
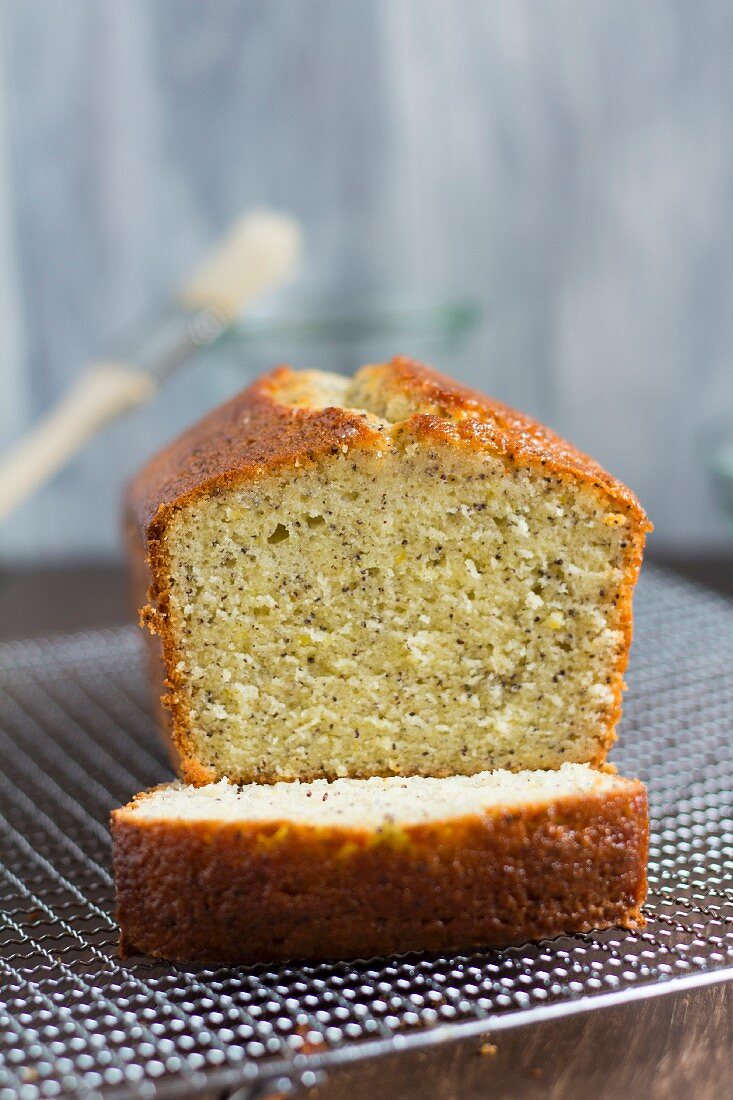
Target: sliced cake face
x: 429, y: 593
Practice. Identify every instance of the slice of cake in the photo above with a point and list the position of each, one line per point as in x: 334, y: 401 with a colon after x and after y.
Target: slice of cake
x: 361, y: 867
x: 384, y: 575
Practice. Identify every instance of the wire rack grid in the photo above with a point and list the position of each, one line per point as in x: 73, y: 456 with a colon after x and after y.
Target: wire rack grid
x: 76, y: 739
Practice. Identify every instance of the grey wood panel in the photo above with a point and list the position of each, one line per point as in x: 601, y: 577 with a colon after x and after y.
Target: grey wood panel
x: 569, y: 165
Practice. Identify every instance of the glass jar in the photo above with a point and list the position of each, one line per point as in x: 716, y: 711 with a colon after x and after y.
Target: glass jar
x: 333, y: 335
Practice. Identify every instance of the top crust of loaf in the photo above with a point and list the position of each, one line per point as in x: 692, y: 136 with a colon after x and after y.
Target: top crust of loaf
x: 224, y: 884
x: 289, y: 418
x: 369, y: 803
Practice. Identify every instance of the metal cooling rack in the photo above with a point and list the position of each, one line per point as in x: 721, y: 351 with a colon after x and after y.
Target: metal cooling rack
x: 76, y: 739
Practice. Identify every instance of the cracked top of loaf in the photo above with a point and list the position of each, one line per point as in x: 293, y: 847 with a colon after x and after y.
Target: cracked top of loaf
x: 289, y: 417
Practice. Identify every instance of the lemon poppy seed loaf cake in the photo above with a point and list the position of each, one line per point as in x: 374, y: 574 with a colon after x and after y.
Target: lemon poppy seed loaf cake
x: 356, y: 868
x: 382, y: 575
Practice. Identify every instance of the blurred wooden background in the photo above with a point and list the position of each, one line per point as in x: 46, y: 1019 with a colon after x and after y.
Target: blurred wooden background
x: 567, y: 165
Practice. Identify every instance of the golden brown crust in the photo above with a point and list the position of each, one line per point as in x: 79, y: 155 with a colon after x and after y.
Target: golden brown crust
x: 255, y: 433
x: 258, y: 432
x: 250, y: 892
x: 139, y: 584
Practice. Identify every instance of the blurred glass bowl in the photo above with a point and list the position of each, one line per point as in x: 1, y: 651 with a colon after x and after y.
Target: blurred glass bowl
x: 337, y: 335
x: 718, y: 454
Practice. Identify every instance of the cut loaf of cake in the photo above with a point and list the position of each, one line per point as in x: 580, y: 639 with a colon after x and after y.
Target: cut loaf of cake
x: 360, y: 867
x: 383, y: 575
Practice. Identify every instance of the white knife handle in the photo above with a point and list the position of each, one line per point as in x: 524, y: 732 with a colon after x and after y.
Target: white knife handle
x: 103, y: 392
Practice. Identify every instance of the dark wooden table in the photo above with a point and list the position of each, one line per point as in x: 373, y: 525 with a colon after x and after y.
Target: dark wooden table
x: 671, y: 1047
